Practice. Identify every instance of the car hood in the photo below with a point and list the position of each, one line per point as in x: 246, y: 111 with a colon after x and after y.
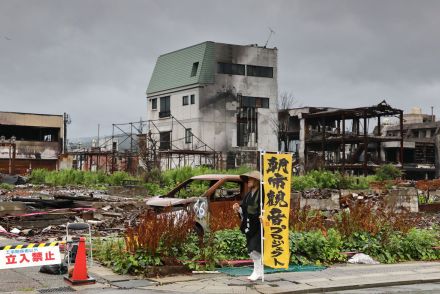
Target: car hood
x: 168, y: 201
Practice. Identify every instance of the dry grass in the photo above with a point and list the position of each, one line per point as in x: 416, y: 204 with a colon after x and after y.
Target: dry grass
x: 373, y: 218
x: 165, y: 229
x: 223, y: 216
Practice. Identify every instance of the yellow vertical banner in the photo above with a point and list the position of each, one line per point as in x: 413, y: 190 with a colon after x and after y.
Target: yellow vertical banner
x: 277, y: 172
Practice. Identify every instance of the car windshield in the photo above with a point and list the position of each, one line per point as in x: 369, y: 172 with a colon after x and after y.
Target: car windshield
x: 192, y: 188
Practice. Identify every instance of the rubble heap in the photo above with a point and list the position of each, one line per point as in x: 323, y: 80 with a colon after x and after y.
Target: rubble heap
x: 38, y: 213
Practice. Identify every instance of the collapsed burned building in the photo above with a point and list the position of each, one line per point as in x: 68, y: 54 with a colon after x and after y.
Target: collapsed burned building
x: 348, y: 140
x: 29, y: 141
x: 213, y: 98
x: 421, y: 135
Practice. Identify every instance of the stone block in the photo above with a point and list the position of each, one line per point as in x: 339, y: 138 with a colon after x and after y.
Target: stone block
x: 321, y: 204
x: 12, y: 208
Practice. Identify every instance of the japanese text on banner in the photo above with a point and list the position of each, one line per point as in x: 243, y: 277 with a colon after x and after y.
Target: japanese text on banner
x: 36, y: 256
x: 277, y: 169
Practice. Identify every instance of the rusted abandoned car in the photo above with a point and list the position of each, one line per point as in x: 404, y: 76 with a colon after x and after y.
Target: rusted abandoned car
x: 209, y: 196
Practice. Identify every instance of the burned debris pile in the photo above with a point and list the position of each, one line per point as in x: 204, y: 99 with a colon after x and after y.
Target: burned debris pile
x: 38, y: 213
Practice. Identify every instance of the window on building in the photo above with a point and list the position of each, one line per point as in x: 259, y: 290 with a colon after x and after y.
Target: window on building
x: 154, y: 104
x: 260, y: 71
x: 165, y: 140
x: 230, y: 68
x: 194, y: 69
x: 193, y: 99
x: 165, y: 110
x: 185, y: 100
x: 254, y: 102
x: 247, y: 127
x: 188, y: 136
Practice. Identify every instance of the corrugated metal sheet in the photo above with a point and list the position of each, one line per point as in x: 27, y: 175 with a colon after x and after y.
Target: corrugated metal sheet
x: 173, y: 69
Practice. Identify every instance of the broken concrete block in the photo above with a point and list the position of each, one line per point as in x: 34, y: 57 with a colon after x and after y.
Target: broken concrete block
x: 106, y: 208
x: 46, y: 229
x: 27, y: 232
x: 94, y: 222
x: 12, y: 208
x: 15, y: 231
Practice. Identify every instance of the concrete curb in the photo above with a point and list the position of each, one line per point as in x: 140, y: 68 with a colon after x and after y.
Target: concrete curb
x: 359, y: 286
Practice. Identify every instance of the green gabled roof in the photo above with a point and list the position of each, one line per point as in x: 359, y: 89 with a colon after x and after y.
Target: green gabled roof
x: 173, y: 69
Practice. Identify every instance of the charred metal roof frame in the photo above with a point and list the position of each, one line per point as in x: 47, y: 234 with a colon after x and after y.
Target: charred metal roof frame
x: 381, y: 109
x: 326, y: 141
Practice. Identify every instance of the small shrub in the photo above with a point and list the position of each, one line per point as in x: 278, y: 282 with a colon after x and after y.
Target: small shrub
x: 305, y: 219
x: 325, y: 179
x: 321, y: 179
x: 315, y: 247
x: 417, y: 244
x: 112, y: 253
x: 118, y: 177
x: 6, y: 186
x: 388, y: 172
x: 155, y: 189
x: 232, y: 244
x: 363, y: 242
x: 160, y: 233
x: 301, y: 183
x: 72, y: 177
x: 353, y: 182
x: 366, y: 217
x: 38, y: 176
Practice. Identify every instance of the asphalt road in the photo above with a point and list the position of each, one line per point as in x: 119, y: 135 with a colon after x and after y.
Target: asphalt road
x: 417, y: 288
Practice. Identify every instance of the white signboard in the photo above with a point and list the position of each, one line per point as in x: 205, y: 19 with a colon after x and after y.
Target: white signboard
x: 25, y: 257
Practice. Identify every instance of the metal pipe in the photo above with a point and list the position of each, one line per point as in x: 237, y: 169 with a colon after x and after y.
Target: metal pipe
x: 401, y: 138
x: 343, y: 143
x: 365, y: 144
x: 262, y: 211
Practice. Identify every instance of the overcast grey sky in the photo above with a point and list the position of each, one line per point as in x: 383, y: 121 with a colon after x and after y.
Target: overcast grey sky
x: 93, y: 59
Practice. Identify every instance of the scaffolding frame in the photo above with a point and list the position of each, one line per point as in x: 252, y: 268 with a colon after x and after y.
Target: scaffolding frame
x: 143, y: 150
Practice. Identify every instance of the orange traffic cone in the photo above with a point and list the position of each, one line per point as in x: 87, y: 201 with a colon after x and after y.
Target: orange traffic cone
x: 79, y: 275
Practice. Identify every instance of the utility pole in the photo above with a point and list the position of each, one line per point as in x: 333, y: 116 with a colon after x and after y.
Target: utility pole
x: 98, y: 138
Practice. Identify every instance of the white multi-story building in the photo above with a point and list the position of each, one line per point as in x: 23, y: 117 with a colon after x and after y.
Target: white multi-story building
x: 219, y: 94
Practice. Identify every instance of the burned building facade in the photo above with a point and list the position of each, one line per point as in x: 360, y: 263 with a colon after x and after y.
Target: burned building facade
x: 214, y: 97
x: 421, y: 135
x: 348, y: 140
x: 29, y: 141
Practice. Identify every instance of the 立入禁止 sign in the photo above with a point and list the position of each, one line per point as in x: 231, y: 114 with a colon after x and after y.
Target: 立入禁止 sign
x: 29, y: 255
x: 277, y: 172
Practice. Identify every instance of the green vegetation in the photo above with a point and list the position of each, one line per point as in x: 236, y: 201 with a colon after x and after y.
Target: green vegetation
x: 215, y: 247
x: 112, y: 253
x: 321, y: 179
x: 6, y: 186
x: 311, y: 247
x: 388, y: 172
x: 159, y: 183
x: 73, y: 177
x: 315, y: 247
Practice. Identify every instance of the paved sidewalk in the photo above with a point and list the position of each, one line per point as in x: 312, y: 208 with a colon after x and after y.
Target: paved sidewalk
x: 337, y: 278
